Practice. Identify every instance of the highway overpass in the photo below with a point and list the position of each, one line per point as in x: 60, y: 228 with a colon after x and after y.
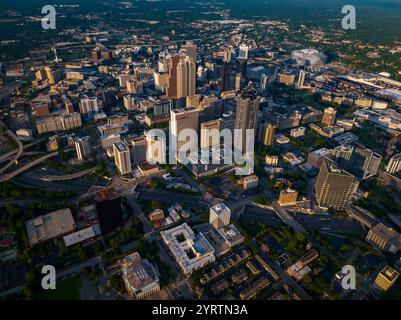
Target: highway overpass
x: 8, y: 176
x: 67, y: 177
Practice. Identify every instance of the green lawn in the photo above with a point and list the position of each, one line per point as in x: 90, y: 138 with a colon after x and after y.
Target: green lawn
x: 67, y: 289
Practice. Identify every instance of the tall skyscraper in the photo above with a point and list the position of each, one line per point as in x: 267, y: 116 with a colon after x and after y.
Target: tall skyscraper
x: 329, y: 116
x: 96, y: 55
x: 243, y: 51
x: 89, y: 106
x: 181, y: 119
x: 83, y: 147
x: 238, y: 82
x: 227, y: 54
x: 301, y: 79
x: 225, y: 76
x: 210, y: 133
x: 264, y: 81
x: 362, y: 163
x: 268, y: 134
x: 171, y: 89
x: 247, y: 114
x: 191, y: 50
x: 108, y: 208
x: 394, y: 164
x: 122, y: 157
x: 219, y: 216
x: 241, y: 67
x: 135, y: 86
x: 186, y: 77
x: 156, y: 150
x: 162, y: 63
x: 139, y: 149
x: 334, y: 186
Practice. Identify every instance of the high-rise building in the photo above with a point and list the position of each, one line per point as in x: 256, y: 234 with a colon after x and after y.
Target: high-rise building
x: 329, y: 116
x: 227, y: 54
x: 108, y: 207
x: 210, y: 133
x: 139, y: 149
x: 123, y: 78
x: 301, y: 79
x: 156, y: 150
x: 264, y: 81
x: 246, y: 116
x: 238, y: 82
x: 162, y: 64
x: 160, y: 80
x: 362, y: 163
x: 386, y: 278
x: 96, y: 55
x: 316, y: 157
x: 241, y: 67
x: 268, y: 134
x: 334, y: 186
x: 394, y: 165
x: 122, y: 157
x: 134, y: 86
x: 89, y: 106
x: 181, y: 119
x: 243, y: 51
x: 219, y: 216
x: 186, y: 77
x: 342, y: 155
x: 225, y: 76
x: 83, y: 147
x: 171, y: 89
x: 191, y: 50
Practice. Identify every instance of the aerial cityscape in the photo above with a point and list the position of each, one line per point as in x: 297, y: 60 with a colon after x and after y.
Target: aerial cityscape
x: 213, y: 150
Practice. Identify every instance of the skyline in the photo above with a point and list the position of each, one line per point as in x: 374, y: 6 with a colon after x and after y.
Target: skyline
x: 201, y: 151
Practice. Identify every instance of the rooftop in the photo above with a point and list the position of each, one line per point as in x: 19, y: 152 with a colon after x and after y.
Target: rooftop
x: 139, y: 273
x: 389, y: 273
x: 121, y: 147
x: 220, y: 209
x: 106, y: 194
x: 50, y: 226
x: 386, y: 233
x: 82, y: 235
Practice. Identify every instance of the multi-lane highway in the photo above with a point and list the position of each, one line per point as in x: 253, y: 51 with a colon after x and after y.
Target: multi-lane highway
x: 19, y: 151
x: 322, y: 223
x: 26, y: 167
x: 287, y: 218
x: 65, y: 177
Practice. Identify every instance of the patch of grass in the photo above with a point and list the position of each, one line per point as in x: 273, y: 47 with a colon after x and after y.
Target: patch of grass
x: 67, y: 289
